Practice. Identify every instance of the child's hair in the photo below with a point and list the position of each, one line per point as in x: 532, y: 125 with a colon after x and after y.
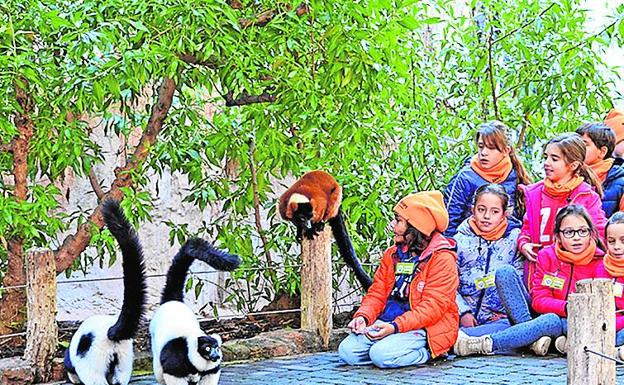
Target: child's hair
x: 494, y: 135
x: 492, y: 188
x: 573, y: 149
x: 616, y: 219
x: 579, y: 211
x: 601, y: 134
x: 418, y: 241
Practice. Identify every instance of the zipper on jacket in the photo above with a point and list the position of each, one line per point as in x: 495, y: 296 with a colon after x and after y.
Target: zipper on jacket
x: 487, y: 270
x: 570, y: 282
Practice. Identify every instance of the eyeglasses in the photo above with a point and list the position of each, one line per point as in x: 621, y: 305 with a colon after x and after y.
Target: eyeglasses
x: 570, y: 233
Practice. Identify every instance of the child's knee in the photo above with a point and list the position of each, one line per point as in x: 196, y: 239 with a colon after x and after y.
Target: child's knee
x: 348, y: 350
x: 552, y: 322
x: 381, y: 355
x: 505, y: 273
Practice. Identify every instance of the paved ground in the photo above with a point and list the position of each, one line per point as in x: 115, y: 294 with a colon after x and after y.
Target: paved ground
x: 326, y: 368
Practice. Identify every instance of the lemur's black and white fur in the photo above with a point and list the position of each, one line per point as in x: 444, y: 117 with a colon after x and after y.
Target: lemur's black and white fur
x: 100, y: 352
x: 182, y: 352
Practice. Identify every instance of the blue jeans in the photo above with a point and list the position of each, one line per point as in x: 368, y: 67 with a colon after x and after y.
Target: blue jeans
x: 525, y: 329
x: 393, y: 351
x: 513, y: 295
x: 488, y: 328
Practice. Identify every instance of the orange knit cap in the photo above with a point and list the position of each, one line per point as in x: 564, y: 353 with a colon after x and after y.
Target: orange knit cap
x: 615, y: 120
x: 425, y: 211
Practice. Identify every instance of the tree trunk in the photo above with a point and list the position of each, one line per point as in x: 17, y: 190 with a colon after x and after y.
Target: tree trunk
x: 12, y: 304
x: 41, y: 332
x: 591, y: 326
x: 316, y: 285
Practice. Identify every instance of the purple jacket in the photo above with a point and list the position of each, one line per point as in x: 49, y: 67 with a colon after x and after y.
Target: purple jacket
x: 545, y: 299
x: 583, y: 195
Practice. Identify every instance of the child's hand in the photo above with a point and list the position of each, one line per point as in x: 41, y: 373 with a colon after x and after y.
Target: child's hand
x: 379, y: 330
x: 528, y: 250
x: 468, y: 321
x: 357, y: 325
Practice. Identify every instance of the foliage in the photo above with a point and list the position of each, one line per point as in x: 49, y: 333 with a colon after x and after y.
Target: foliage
x: 385, y: 95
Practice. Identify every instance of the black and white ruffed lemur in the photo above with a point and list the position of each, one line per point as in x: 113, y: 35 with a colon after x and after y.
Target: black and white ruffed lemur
x: 182, y: 352
x: 100, y: 352
x: 310, y: 202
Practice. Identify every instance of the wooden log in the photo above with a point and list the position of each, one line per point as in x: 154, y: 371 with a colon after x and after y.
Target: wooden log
x: 316, y: 285
x: 591, y: 325
x: 41, y: 330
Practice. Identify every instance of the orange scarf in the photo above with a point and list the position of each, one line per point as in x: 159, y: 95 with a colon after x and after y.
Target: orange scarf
x: 497, y: 173
x: 493, y: 235
x: 583, y: 258
x: 557, y: 190
x: 615, y: 266
x: 602, y: 167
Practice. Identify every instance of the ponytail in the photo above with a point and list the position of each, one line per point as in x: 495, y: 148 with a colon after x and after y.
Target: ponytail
x: 591, y: 178
x: 522, y: 177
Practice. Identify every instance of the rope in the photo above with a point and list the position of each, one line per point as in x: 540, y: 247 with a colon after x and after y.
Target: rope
x: 587, y: 350
x: 12, y: 287
x: 250, y: 314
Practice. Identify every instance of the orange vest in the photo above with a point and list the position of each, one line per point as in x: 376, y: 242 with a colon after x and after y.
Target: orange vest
x: 432, y: 294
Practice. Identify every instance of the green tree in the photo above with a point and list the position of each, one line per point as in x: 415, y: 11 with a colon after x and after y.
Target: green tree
x: 383, y: 94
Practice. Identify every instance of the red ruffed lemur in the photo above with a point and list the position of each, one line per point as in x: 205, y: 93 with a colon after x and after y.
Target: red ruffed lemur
x: 310, y: 202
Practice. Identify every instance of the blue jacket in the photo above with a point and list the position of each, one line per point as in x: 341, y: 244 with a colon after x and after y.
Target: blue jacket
x: 613, y: 187
x: 460, y: 192
x: 477, y: 258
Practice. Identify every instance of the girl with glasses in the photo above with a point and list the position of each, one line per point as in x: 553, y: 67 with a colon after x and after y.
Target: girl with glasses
x: 576, y: 254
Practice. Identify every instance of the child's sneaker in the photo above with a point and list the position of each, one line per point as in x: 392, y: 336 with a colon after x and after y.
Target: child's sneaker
x: 561, y: 344
x: 466, y: 345
x: 540, y: 347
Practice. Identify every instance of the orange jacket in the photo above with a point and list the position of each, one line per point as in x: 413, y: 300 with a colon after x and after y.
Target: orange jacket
x: 432, y: 294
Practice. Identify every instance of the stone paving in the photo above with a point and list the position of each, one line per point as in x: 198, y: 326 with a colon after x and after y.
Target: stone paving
x: 326, y: 368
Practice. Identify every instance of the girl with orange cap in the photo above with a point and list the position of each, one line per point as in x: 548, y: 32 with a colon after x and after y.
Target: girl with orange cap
x: 409, y: 314
x: 495, y: 162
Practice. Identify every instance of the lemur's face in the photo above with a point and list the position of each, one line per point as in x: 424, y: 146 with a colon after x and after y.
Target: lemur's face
x: 302, y: 217
x: 209, y: 347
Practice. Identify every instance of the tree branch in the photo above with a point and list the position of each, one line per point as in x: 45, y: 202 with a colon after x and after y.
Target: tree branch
x: 265, y: 17
x: 523, y: 26
x: 95, y: 184
x: 256, y: 200
x: 246, y: 99
x: 73, y: 245
x: 192, y: 59
x: 491, y: 75
x: 7, y: 147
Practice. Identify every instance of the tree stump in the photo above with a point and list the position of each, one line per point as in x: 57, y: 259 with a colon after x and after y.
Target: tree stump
x: 41, y: 330
x: 591, y: 325
x: 316, y: 285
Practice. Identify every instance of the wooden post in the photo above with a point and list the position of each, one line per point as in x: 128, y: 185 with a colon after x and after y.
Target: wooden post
x: 591, y: 325
x: 316, y: 285
x: 41, y: 329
